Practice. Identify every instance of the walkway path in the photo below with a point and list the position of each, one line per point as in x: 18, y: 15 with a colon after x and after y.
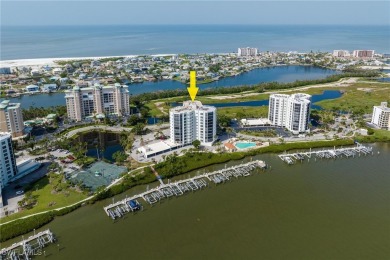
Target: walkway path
x: 81, y: 201
x: 97, y: 127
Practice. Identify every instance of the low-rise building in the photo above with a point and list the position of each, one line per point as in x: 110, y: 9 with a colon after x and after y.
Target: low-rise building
x: 32, y: 88
x: 5, y: 70
x: 381, y: 116
x: 49, y: 87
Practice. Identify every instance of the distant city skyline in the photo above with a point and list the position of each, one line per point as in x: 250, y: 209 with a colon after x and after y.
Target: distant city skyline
x: 189, y: 12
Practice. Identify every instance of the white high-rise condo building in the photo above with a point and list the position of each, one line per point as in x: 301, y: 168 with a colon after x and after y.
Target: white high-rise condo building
x: 381, y: 116
x: 247, y: 51
x: 8, y: 167
x: 11, y: 118
x: 290, y: 111
x: 277, y: 109
x: 97, y: 100
x: 193, y: 121
x: 363, y: 53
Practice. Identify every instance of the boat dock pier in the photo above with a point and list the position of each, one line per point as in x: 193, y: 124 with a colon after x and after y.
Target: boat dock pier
x: 178, y: 188
x: 29, y: 247
x: 334, y: 153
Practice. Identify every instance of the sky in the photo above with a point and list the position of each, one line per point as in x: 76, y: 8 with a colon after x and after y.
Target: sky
x: 55, y: 12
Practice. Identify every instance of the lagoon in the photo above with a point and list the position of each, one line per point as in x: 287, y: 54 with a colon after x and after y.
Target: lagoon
x: 255, y: 76
x: 327, y: 94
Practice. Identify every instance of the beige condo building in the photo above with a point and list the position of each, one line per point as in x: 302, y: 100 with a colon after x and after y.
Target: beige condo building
x: 97, y: 100
x: 11, y: 118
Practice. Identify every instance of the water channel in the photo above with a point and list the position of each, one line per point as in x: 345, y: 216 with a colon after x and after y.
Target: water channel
x: 278, y: 73
x: 324, y: 209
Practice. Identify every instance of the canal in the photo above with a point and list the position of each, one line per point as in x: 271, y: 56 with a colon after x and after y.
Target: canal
x: 278, y: 73
x: 328, y: 209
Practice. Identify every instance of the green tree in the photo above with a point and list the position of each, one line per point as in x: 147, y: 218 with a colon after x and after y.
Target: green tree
x: 139, y: 129
x: 196, y: 144
x: 119, y: 157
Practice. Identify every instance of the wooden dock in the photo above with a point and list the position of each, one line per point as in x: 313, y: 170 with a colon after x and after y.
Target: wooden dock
x: 347, y: 152
x: 27, y: 248
x: 178, y: 188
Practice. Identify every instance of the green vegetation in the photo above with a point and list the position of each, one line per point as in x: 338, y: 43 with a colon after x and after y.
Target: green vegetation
x: 119, y: 157
x: 257, y: 87
x: 196, y: 144
x: 50, y: 192
x: 243, y: 112
x: 34, y: 112
x: 22, y: 226
x: 359, y: 98
x: 376, y: 135
x: 263, y: 133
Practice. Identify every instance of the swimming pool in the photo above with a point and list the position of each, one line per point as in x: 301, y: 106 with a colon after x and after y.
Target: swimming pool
x: 244, y: 145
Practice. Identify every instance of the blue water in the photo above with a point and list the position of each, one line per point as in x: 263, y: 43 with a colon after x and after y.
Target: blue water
x: 244, y: 145
x: 327, y: 94
x: 279, y: 74
x: 109, y: 150
x: 80, y: 41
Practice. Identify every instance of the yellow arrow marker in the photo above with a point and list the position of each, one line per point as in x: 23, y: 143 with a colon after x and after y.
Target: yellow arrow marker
x: 192, y: 90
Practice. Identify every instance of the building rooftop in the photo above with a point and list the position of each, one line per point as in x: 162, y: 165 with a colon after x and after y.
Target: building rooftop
x: 6, y: 104
x: 192, y: 106
x: 51, y: 116
x: 255, y: 121
x: 4, y: 135
x: 96, y: 85
x: 383, y: 106
x: 301, y: 97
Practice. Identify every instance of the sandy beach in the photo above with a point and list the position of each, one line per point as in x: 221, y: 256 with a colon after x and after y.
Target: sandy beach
x: 52, y: 61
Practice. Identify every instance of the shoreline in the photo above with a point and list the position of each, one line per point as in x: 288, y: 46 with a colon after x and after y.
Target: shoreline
x: 52, y: 61
x: 108, y: 192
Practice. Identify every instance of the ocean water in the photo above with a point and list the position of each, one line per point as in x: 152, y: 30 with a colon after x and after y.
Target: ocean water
x: 80, y: 41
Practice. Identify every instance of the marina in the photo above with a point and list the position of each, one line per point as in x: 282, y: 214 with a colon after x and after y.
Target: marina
x: 358, y: 150
x: 32, y: 246
x: 178, y: 188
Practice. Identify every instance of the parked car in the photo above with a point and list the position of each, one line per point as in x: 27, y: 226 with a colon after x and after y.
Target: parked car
x: 19, y: 192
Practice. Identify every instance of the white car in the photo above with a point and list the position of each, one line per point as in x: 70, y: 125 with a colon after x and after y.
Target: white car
x: 19, y: 192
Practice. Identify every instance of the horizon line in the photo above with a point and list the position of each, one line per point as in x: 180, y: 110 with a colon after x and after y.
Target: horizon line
x: 196, y: 24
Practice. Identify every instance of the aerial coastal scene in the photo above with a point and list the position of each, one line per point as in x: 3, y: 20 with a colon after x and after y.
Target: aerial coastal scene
x: 194, y: 129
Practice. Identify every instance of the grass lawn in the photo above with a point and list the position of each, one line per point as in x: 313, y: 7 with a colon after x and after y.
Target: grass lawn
x: 154, y: 111
x: 242, y: 112
x: 43, y: 190
x: 379, y: 135
x: 360, y: 96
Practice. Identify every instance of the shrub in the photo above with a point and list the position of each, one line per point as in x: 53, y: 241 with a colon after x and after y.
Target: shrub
x: 22, y: 226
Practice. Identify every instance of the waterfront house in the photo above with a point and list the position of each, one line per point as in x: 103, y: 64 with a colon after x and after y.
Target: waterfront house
x: 49, y: 87
x: 32, y: 89
x: 57, y: 71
